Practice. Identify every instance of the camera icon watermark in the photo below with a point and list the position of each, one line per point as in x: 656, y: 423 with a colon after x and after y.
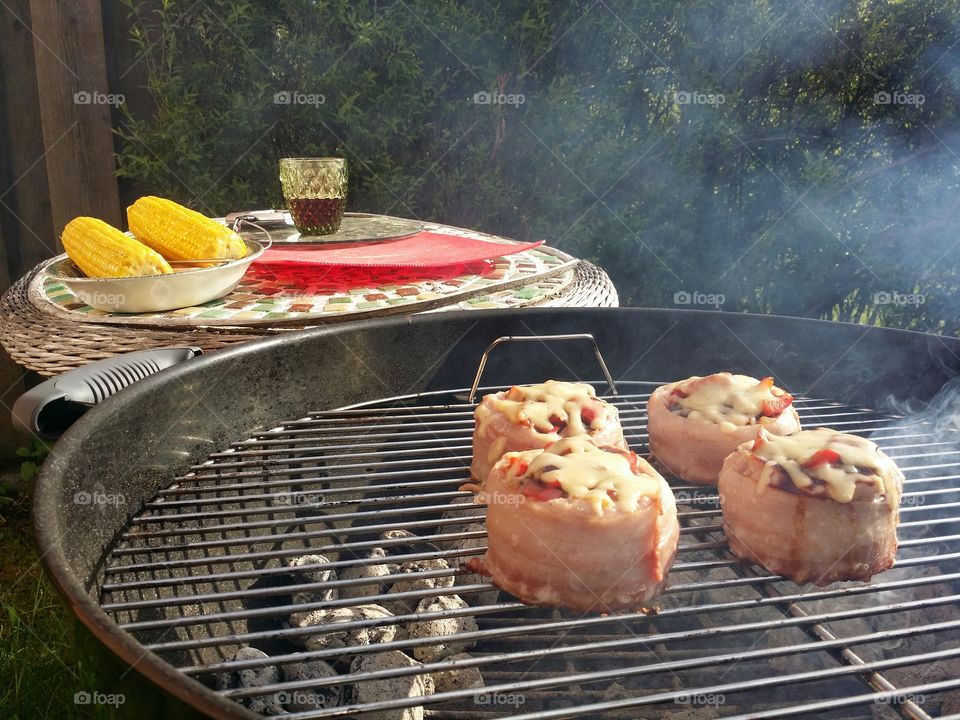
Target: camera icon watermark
x: 297, y: 699
x: 83, y: 697
x: 498, y: 98
x: 900, y: 699
x: 898, y: 98
x: 701, y: 699
x: 892, y: 297
x: 97, y: 497
x: 696, y: 497
x: 499, y: 699
x: 95, y: 97
x: 293, y: 97
x: 296, y: 499
x: 684, y: 297
x: 687, y: 97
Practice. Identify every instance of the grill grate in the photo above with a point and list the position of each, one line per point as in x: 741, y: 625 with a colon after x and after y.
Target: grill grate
x: 201, y: 571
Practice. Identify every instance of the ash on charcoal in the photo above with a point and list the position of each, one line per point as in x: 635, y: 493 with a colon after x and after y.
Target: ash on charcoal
x: 470, y: 523
x: 254, y: 678
x: 314, y: 575
x: 416, y: 544
x: 349, y: 637
x: 307, y: 699
x: 416, y: 582
x: 616, y: 691
x: 455, y: 678
x: 440, y: 627
x: 463, y: 509
x: 368, y: 572
x: 484, y: 597
x: 390, y: 688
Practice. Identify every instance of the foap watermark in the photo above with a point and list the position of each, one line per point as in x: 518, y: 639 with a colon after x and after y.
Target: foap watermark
x: 95, y: 97
x: 501, y: 498
x: 98, y: 498
x: 900, y: 699
x: 694, y: 97
x: 898, y: 98
x: 82, y: 697
x: 701, y: 699
x: 696, y: 497
x: 892, y: 297
x: 683, y: 297
x: 294, y: 97
x: 294, y: 499
x: 298, y: 699
x: 499, y: 699
x: 498, y: 98
x: 913, y: 499
x: 101, y: 299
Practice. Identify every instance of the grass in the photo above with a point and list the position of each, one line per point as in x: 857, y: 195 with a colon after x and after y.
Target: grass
x: 37, y: 663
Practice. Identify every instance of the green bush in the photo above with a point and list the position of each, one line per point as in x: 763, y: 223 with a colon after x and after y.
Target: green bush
x: 786, y: 184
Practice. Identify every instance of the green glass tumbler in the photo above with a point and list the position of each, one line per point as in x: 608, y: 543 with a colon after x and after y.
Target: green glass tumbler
x: 316, y: 193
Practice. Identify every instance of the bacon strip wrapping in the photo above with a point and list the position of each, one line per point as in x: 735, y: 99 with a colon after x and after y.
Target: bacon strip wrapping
x: 815, y: 514
x: 694, y: 449
x: 531, y: 417
x: 608, y: 549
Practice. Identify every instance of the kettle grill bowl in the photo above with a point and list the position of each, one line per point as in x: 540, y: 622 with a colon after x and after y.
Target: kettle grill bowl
x: 136, y: 442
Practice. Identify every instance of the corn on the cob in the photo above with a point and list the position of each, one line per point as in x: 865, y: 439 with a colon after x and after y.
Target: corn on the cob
x: 179, y: 233
x: 100, y: 250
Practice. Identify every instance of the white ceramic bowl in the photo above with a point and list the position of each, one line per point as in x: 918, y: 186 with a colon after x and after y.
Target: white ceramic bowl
x: 155, y: 293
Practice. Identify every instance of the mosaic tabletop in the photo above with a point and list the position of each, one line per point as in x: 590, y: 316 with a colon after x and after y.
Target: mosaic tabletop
x: 299, y: 294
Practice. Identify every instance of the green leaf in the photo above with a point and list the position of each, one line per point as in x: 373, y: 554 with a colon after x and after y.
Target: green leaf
x: 27, y: 470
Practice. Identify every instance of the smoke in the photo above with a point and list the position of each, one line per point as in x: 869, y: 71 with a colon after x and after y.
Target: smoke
x: 939, y: 416
x: 797, y: 158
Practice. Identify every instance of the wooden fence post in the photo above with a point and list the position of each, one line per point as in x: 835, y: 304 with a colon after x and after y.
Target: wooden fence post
x: 75, y: 104
x: 57, y: 159
x: 28, y: 233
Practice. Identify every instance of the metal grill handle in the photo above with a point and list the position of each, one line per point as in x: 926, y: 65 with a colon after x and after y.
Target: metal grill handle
x: 540, y: 338
x: 48, y: 409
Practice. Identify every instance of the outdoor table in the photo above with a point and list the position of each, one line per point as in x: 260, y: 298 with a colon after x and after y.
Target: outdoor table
x: 46, y: 329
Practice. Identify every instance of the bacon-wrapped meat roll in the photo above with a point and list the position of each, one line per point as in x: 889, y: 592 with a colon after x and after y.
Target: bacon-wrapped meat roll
x: 818, y: 506
x: 530, y: 417
x: 695, y: 423
x: 579, y: 526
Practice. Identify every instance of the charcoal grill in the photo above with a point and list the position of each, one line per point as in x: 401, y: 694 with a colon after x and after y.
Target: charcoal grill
x: 212, y: 474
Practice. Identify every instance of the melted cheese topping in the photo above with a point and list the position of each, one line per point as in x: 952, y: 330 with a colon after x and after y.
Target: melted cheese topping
x: 729, y: 401
x: 860, y: 462
x: 600, y: 478
x: 538, y: 405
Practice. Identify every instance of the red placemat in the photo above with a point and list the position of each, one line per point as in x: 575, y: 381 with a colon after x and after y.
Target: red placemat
x: 425, y: 249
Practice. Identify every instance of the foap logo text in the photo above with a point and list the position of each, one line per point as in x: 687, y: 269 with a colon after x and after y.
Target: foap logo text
x: 899, y: 98
x: 95, y: 97
x: 694, y: 97
x: 294, y: 97
x: 696, y: 297
x: 498, y: 98
x: 892, y: 297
